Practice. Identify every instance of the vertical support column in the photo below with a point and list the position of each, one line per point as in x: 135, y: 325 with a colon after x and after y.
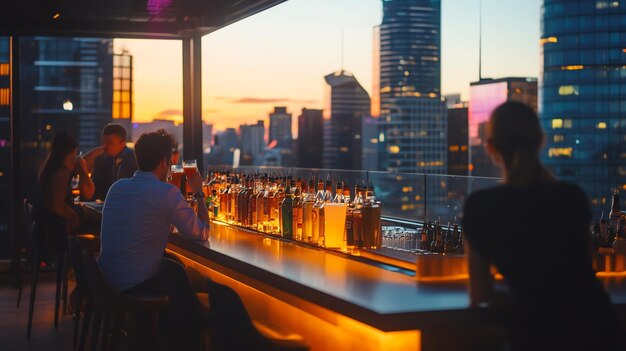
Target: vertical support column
x: 192, y: 99
x: 16, y: 204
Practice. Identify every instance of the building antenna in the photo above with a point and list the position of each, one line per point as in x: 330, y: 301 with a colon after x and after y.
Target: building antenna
x: 480, y: 40
x: 342, y: 50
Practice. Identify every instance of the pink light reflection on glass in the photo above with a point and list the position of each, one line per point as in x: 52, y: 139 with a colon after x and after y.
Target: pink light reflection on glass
x: 155, y: 7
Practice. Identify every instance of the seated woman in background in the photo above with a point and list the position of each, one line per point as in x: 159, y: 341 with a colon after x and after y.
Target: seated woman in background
x: 56, y: 215
x: 534, y: 230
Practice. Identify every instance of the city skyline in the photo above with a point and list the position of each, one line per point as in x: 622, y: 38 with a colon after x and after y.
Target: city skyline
x: 279, y: 58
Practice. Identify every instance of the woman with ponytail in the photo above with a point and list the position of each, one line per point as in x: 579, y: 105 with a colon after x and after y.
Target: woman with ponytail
x: 534, y: 230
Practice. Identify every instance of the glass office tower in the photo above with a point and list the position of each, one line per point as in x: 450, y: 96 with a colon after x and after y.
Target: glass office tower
x: 409, y: 43
x: 583, y: 95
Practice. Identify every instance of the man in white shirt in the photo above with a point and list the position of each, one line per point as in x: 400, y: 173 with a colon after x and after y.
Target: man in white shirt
x: 136, y: 221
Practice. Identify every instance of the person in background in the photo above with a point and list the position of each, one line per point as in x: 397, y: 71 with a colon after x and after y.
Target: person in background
x: 136, y: 222
x: 111, y: 161
x: 56, y: 214
x: 534, y: 230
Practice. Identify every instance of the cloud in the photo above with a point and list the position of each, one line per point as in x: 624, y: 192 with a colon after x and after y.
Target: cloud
x: 171, y: 112
x: 254, y: 100
x: 211, y: 110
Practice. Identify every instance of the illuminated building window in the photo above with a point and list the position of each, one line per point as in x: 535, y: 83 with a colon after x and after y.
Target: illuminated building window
x: 394, y: 149
x: 343, y: 149
x: 463, y: 147
x: 601, y: 5
x: 385, y: 89
x: 453, y: 148
x: 565, y: 90
x: 5, y: 96
x: 567, y: 123
x: 407, y: 189
x: 615, y: 4
x: 559, y: 138
x: 572, y: 67
x: 5, y: 69
x: 601, y: 125
x: 560, y: 152
x: 548, y: 40
x: 557, y: 123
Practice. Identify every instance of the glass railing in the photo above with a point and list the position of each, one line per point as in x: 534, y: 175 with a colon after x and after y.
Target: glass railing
x: 412, y: 197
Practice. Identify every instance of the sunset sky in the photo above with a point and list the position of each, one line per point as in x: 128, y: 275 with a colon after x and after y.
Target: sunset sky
x: 280, y: 56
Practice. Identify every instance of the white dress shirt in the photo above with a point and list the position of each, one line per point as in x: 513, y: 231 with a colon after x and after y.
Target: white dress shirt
x: 136, y: 221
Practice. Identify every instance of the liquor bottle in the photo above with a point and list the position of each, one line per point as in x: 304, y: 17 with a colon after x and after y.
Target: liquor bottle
x: 424, y: 237
x: 244, y: 200
x: 286, y: 210
x: 279, y: 196
x: 296, y: 213
x: 357, y: 217
x: 616, y: 214
x: 215, y: 199
x: 619, y: 244
x: 448, y: 242
x: 252, y: 213
x: 460, y: 249
x: 317, y: 214
x: 260, y: 205
x: 232, y: 200
x: 349, y: 232
x: 455, y: 234
x: 372, y: 225
x: 307, y: 210
x: 604, y: 228
x: 335, y: 221
x: 224, y: 199
x: 437, y: 244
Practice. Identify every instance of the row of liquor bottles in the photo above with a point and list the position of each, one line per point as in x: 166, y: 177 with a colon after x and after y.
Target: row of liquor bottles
x: 320, y: 212
x: 435, y: 238
x: 611, y: 233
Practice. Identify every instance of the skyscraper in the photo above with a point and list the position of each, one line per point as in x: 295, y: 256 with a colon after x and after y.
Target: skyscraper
x: 310, y: 138
x: 66, y: 84
x: 485, y: 96
x: 416, y: 136
x: 280, y: 127
x: 409, y: 73
x: 348, y: 104
x: 5, y: 147
x: 583, y: 107
x: 252, y: 143
x: 410, y: 49
x: 458, y: 161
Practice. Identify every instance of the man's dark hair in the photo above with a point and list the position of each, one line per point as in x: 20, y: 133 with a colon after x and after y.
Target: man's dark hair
x: 152, y: 147
x: 114, y: 129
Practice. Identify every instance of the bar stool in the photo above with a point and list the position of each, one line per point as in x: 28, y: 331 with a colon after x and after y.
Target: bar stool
x: 234, y: 330
x: 112, y: 307
x: 61, y: 267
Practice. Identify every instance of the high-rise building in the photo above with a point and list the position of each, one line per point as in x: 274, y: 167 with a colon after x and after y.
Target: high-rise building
x: 122, y: 110
x: 280, y: 127
x: 410, y: 49
x: 369, y: 143
x: 583, y: 106
x: 176, y: 130
x: 5, y: 147
x: 310, y: 138
x: 408, y: 71
x: 485, y: 96
x: 458, y: 160
x: 66, y: 84
x: 223, y: 149
x: 416, y: 136
x: 347, y: 105
x: 252, y: 143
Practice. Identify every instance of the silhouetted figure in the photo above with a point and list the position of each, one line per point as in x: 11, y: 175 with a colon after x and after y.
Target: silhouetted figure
x: 56, y: 214
x: 111, y: 161
x: 534, y: 230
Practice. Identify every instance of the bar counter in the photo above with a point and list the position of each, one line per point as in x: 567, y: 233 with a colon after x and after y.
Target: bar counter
x: 335, y: 301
